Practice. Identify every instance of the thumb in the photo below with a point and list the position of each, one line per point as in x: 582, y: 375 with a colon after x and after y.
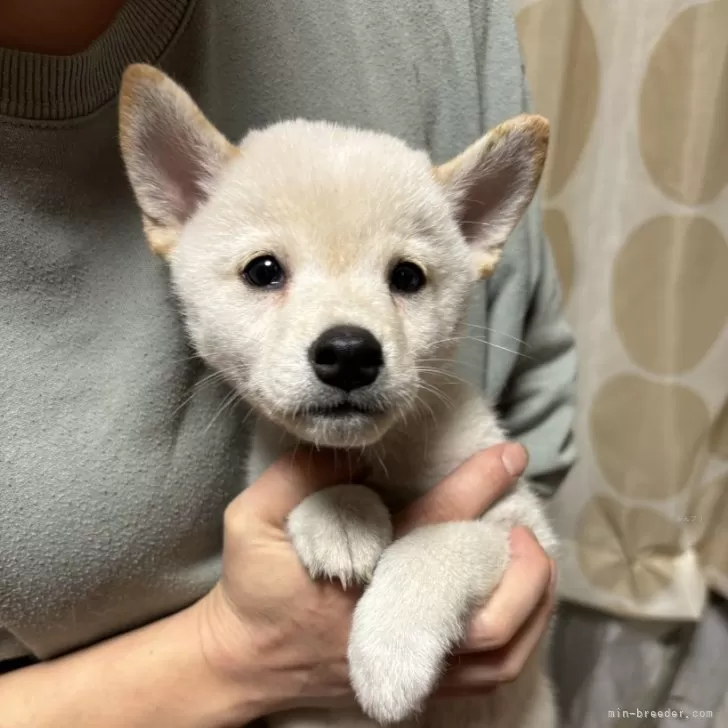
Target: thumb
x: 469, y: 490
x: 289, y: 481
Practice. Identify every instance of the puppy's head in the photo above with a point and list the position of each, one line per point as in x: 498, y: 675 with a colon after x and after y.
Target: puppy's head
x: 323, y: 270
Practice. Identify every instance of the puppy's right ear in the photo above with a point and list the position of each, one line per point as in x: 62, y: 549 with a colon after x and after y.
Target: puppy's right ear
x: 173, y: 154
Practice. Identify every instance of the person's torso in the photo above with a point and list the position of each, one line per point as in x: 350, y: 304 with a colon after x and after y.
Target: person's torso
x: 117, y: 456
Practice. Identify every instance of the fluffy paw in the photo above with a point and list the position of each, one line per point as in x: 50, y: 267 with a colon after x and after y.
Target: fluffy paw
x: 393, y: 679
x: 340, y: 533
x: 416, y: 610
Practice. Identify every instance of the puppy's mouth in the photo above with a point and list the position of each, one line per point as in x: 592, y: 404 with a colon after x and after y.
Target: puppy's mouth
x: 342, y: 422
x: 341, y: 410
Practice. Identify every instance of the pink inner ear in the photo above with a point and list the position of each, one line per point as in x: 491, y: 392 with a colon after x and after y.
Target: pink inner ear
x: 176, y: 171
x: 486, y: 197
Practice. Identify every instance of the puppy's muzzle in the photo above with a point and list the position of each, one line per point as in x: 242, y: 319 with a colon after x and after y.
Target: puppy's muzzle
x: 346, y: 357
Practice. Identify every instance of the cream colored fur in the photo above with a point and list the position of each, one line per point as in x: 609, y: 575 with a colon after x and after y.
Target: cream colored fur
x: 338, y: 208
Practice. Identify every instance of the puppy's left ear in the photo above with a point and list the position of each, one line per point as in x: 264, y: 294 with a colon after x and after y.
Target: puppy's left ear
x: 173, y: 154
x: 492, y: 183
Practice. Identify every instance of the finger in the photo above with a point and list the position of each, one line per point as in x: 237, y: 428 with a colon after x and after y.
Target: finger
x: 516, y: 598
x: 467, y: 492
x: 476, y: 672
x: 289, y: 481
x: 448, y: 691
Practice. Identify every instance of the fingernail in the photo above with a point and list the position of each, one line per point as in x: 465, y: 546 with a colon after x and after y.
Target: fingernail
x: 514, y: 458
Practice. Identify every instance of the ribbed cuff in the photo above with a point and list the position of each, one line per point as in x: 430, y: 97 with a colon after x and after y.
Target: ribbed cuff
x: 55, y: 88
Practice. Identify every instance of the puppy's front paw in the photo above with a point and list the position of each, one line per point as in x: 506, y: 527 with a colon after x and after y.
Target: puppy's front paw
x: 340, y: 533
x: 416, y: 610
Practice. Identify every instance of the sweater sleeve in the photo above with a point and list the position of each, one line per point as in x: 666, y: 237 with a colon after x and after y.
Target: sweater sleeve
x: 538, y: 402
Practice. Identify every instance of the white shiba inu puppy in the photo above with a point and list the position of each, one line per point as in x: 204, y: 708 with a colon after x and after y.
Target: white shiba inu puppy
x: 326, y: 271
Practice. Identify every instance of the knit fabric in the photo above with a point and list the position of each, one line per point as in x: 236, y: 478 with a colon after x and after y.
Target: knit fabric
x: 117, y: 458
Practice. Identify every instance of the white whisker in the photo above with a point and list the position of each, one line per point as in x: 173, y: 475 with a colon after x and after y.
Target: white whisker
x: 496, y: 331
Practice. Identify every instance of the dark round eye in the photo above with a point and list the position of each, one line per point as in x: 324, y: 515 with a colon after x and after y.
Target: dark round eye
x: 264, y: 272
x: 406, y: 278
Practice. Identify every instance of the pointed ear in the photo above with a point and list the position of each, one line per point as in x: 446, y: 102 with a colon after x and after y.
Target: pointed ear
x: 492, y: 183
x: 173, y: 154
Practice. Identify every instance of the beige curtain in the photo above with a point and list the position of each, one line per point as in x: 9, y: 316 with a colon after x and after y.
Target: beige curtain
x: 635, y: 205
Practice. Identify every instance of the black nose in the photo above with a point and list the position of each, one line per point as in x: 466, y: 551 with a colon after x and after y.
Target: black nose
x: 346, y: 357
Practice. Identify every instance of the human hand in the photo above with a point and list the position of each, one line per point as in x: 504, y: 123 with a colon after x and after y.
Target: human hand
x: 268, y: 626
x: 504, y: 633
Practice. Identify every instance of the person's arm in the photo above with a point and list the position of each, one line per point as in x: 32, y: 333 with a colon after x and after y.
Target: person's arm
x: 153, y: 677
x: 209, y: 665
x: 267, y: 638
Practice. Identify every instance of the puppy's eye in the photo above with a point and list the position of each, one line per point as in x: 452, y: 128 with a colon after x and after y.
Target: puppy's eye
x: 406, y: 278
x: 264, y: 272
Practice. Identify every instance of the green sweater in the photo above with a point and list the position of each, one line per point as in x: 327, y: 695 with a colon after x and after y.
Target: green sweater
x: 115, y: 467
